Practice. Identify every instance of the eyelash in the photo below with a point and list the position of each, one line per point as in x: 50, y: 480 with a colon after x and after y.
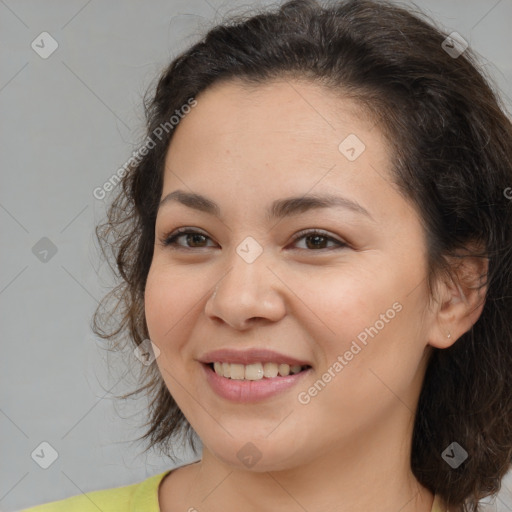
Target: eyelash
x: 170, y: 240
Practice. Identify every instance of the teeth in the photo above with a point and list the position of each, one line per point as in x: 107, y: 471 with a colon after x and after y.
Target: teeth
x: 284, y: 370
x: 270, y: 370
x: 255, y: 371
x: 226, y: 370
x: 237, y: 371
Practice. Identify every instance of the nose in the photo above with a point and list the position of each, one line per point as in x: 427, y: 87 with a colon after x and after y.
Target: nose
x: 247, y: 294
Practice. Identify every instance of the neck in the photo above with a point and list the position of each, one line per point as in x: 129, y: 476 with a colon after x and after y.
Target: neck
x: 369, y: 473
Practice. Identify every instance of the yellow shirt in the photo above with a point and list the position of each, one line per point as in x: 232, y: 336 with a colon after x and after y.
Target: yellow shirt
x: 139, y: 497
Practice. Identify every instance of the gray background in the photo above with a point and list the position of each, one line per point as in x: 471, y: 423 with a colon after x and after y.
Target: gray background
x: 68, y: 123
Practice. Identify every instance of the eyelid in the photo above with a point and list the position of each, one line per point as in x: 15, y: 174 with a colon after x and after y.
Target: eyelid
x: 166, y: 239
x: 318, y: 231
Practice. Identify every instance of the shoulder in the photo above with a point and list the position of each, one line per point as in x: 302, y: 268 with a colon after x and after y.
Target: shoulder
x: 119, y: 499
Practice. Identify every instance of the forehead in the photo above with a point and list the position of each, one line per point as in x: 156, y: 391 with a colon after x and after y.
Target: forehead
x: 292, y: 107
x: 276, y: 124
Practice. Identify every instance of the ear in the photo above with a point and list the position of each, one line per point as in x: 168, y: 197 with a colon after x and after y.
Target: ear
x: 460, y: 299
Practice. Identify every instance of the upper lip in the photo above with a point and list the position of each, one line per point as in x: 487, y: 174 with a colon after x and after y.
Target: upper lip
x: 250, y: 356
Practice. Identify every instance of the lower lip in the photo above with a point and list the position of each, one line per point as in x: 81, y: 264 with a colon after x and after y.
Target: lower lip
x: 246, y: 391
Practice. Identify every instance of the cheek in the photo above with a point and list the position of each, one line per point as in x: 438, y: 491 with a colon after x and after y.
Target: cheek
x: 157, y: 299
x: 380, y: 365
x: 363, y: 382
x: 348, y: 302
x: 166, y: 301
x: 373, y: 321
x: 167, y: 304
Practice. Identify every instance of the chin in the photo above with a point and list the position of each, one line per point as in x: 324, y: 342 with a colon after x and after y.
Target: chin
x: 257, y: 456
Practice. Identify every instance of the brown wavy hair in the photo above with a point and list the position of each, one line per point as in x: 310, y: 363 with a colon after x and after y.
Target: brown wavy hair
x: 452, y: 147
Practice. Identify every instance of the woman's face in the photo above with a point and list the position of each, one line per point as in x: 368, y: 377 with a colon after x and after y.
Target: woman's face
x: 346, y: 301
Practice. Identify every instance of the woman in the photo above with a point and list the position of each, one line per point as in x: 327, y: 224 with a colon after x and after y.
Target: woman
x: 316, y: 237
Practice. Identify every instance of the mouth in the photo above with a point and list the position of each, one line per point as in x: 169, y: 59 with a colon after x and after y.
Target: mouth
x: 254, y: 382
x: 252, y: 375
x: 255, y: 371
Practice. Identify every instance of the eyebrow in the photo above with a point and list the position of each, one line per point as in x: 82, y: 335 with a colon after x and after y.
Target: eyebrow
x: 278, y: 209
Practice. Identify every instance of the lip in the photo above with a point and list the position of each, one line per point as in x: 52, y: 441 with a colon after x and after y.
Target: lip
x: 249, y: 391
x: 250, y: 356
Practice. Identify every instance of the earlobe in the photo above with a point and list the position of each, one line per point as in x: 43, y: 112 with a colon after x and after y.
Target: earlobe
x: 461, y: 300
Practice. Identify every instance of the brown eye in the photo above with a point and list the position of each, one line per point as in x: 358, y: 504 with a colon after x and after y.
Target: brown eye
x: 193, y: 239
x: 317, y: 240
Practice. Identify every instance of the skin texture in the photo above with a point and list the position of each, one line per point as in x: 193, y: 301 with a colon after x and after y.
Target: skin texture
x: 348, y: 449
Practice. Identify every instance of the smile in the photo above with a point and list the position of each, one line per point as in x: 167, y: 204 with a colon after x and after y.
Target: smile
x: 256, y: 371
x: 239, y: 387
